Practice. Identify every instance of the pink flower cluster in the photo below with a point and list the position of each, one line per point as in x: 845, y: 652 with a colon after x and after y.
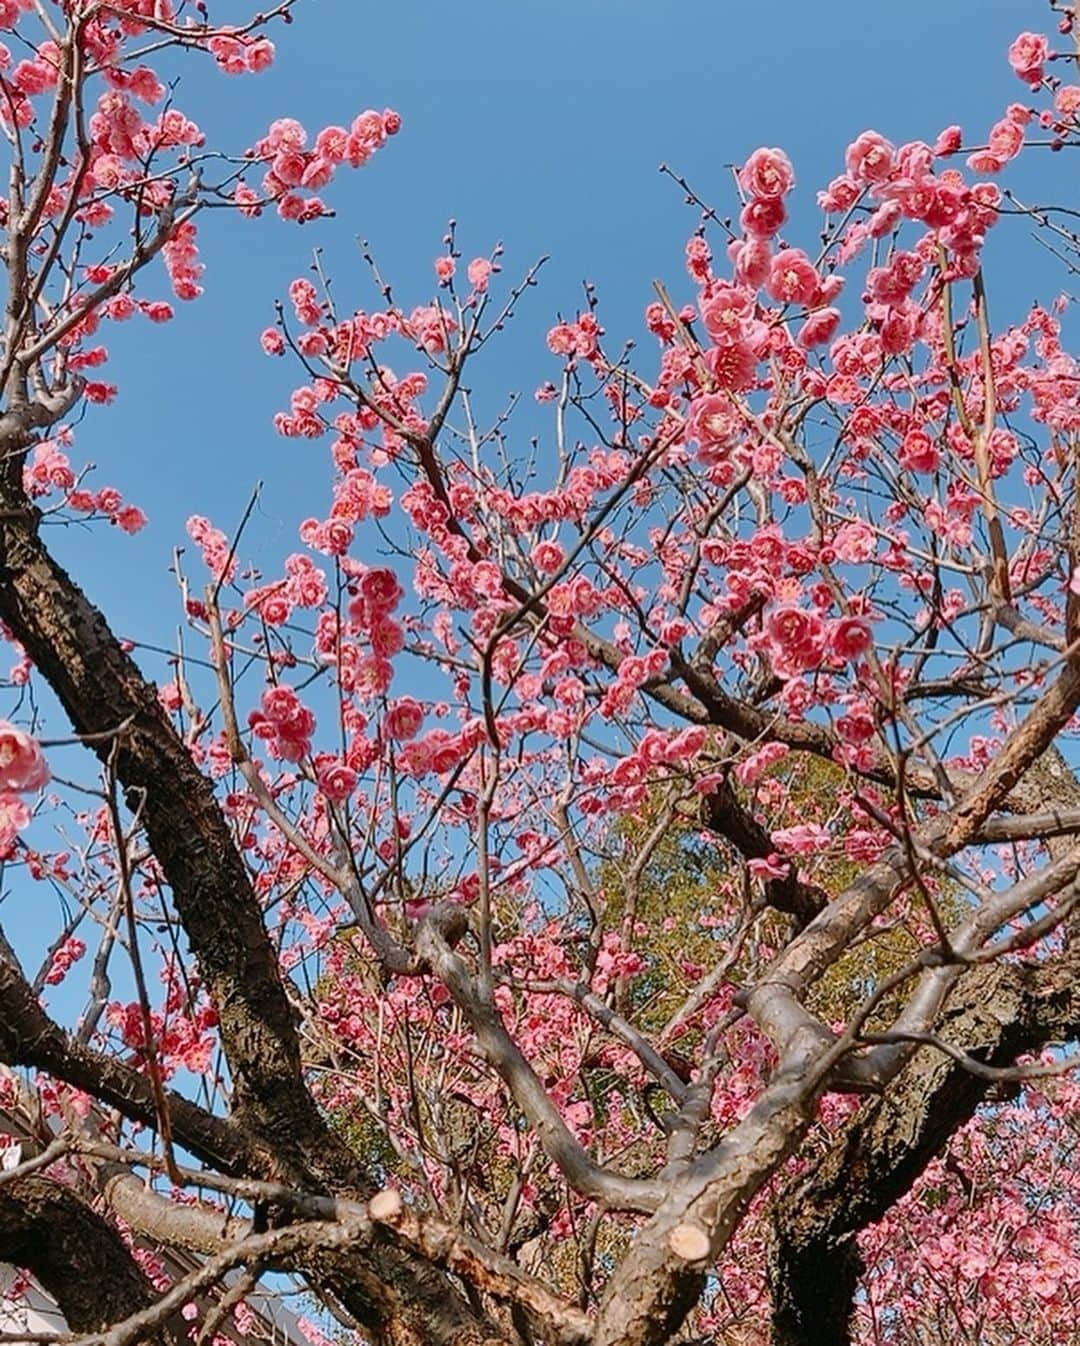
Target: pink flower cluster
x: 294, y: 169
x: 182, y: 261
x: 62, y: 960
x: 658, y: 753
x: 479, y: 272
x: 214, y: 546
x: 122, y: 140
x: 284, y: 723
x: 904, y: 183
x: 798, y: 640
x: 182, y: 1038
x: 738, y: 337
x: 439, y: 751
x: 1005, y: 142
x: 371, y: 615
x: 753, y: 767
x: 633, y: 671
x: 23, y: 769
x: 789, y: 276
x: 304, y: 586
x: 356, y: 497
x: 239, y: 53
x: 49, y: 469
x: 576, y: 339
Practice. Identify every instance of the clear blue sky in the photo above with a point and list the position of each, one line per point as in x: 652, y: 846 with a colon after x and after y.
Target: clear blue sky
x: 538, y: 122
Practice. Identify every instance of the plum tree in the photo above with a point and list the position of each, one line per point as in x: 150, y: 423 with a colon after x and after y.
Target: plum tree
x: 614, y: 892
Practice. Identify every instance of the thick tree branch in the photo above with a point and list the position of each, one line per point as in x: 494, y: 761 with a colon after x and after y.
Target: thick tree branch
x: 77, y: 1256
x: 100, y: 687
x: 998, y: 1012
x: 28, y: 1037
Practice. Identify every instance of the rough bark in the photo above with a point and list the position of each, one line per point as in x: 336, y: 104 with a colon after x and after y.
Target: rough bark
x: 105, y: 695
x: 402, y: 1300
x: 999, y: 1013
x: 996, y: 1013
x: 76, y: 1255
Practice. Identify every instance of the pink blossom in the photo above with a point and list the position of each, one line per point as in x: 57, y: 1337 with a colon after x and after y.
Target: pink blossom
x: 796, y: 636
x: 479, y: 273
x: 34, y: 77
x: 897, y: 332
x: 840, y: 195
x: 767, y: 173
x: 22, y: 765
x: 403, y: 719
x: 854, y: 542
x: 752, y: 768
x: 260, y: 54
x: 67, y: 954
x: 803, y: 838
x: 336, y: 780
x: 850, y: 637
x: 751, y: 260
x: 733, y: 365
x: 1006, y: 139
x: 130, y: 518
x: 724, y: 311
x: 985, y: 161
x: 1027, y: 56
x: 948, y: 142
x: 271, y: 604
x: 918, y: 452
x: 373, y: 676
x: 14, y: 818
x: 772, y: 867
x: 547, y: 557
x: 792, y: 277
x: 1067, y: 101
x: 712, y: 420
x: 763, y: 217
x: 856, y: 725
x: 893, y: 283
x: 885, y: 219
x: 869, y: 158
x: 819, y: 327
x: 387, y: 638
x: 633, y: 671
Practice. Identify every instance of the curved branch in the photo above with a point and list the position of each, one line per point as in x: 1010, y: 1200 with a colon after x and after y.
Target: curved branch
x: 505, y: 1056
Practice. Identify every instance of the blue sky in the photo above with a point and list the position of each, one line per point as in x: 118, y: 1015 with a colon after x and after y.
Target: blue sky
x: 540, y: 124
